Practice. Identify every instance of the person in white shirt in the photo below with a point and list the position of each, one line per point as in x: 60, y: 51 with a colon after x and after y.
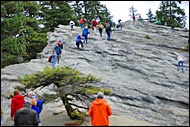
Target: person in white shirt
x: 180, y: 62
x: 72, y: 23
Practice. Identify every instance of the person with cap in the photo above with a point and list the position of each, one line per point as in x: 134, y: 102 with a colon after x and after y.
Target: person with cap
x: 26, y: 116
x: 100, y: 111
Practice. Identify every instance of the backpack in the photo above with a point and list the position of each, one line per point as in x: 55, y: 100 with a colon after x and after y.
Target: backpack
x: 107, y: 28
x: 85, y: 32
x: 49, y: 59
x: 40, y: 104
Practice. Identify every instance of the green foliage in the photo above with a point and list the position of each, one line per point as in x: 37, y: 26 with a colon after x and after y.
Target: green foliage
x: 95, y: 90
x: 171, y: 14
x: 55, y: 13
x: 147, y: 37
x: 90, y: 10
x: 21, y: 37
x: 185, y: 48
x: 60, y: 76
x: 150, y: 16
x: 77, y: 115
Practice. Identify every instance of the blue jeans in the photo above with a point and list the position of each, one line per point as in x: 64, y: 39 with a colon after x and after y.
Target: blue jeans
x: 100, y: 30
x: 81, y: 25
x: 172, y: 28
x: 72, y: 27
x: 180, y: 63
x: 108, y: 35
x: 86, y: 38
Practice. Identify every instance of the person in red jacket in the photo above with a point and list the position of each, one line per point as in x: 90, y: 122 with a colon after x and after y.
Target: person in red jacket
x: 100, y: 111
x: 81, y: 21
x: 94, y: 23
x: 17, y: 103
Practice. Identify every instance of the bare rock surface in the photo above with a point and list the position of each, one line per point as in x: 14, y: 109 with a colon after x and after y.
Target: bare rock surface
x: 141, y: 72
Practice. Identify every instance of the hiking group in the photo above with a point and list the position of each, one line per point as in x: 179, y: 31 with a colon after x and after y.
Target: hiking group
x: 81, y: 39
x: 25, y: 111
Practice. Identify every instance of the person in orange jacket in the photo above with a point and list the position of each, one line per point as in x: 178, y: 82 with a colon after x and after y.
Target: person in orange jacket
x: 100, y: 111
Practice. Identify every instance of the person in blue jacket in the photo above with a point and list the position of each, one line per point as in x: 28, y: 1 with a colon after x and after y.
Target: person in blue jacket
x: 85, y: 33
x: 58, y: 51
x: 79, y: 41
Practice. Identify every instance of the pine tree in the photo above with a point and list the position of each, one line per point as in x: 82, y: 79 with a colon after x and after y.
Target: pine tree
x: 91, y: 10
x: 171, y: 14
x: 132, y: 11
x: 55, y: 13
x: 150, y: 16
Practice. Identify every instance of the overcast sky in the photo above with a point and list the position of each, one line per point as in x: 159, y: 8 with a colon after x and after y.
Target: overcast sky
x: 120, y: 9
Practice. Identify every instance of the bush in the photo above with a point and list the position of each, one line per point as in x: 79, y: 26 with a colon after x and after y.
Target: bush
x: 147, y: 37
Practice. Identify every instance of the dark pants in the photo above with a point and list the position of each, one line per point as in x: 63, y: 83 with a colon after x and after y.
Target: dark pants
x: 58, y: 55
x: 86, y: 38
x: 80, y: 42
x: 108, y: 35
x: 72, y: 27
x: 100, y: 30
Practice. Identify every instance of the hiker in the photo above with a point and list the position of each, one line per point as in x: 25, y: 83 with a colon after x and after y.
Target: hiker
x: 119, y: 24
x: 81, y: 21
x: 53, y: 58
x: 134, y: 18
x: 100, y: 111
x: 72, y: 23
x: 60, y: 44
x: 26, y: 116
x: 17, y: 102
x: 100, y: 28
x: 180, y: 62
x: 36, y: 104
x: 113, y: 25
x: 158, y: 22
x: 85, y: 33
x: 94, y: 23
x: 108, y: 31
x: 58, y: 52
x: 172, y: 27
x: 79, y: 41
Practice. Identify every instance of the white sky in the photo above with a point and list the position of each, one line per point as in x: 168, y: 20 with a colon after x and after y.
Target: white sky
x: 120, y: 9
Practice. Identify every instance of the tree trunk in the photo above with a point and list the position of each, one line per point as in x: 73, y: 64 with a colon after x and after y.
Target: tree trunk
x: 69, y: 108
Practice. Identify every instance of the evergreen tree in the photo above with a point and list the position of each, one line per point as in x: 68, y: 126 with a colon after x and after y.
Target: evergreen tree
x: 171, y: 14
x: 72, y: 85
x: 91, y: 10
x: 55, y: 13
x: 150, y: 16
x: 20, y: 32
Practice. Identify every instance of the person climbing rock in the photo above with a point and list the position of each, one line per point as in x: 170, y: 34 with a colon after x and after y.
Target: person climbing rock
x: 180, y: 62
x: 72, y: 24
x: 58, y: 51
x: 79, y: 41
x: 108, y: 31
x: 85, y: 33
x: 53, y: 58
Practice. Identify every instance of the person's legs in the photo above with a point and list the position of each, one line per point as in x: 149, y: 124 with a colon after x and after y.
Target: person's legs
x: 58, y: 58
x: 100, y: 30
x: 182, y: 65
x: 71, y: 27
x: 53, y: 64
x: 81, y: 44
x: 108, y: 36
x: 86, y: 39
x: 178, y: 66
x: 77, y: 43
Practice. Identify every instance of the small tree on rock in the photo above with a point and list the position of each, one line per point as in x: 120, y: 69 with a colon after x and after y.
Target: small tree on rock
x: 72, y: 87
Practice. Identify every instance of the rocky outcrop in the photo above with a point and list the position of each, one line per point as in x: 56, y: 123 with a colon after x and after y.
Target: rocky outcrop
x: 141, y: 72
